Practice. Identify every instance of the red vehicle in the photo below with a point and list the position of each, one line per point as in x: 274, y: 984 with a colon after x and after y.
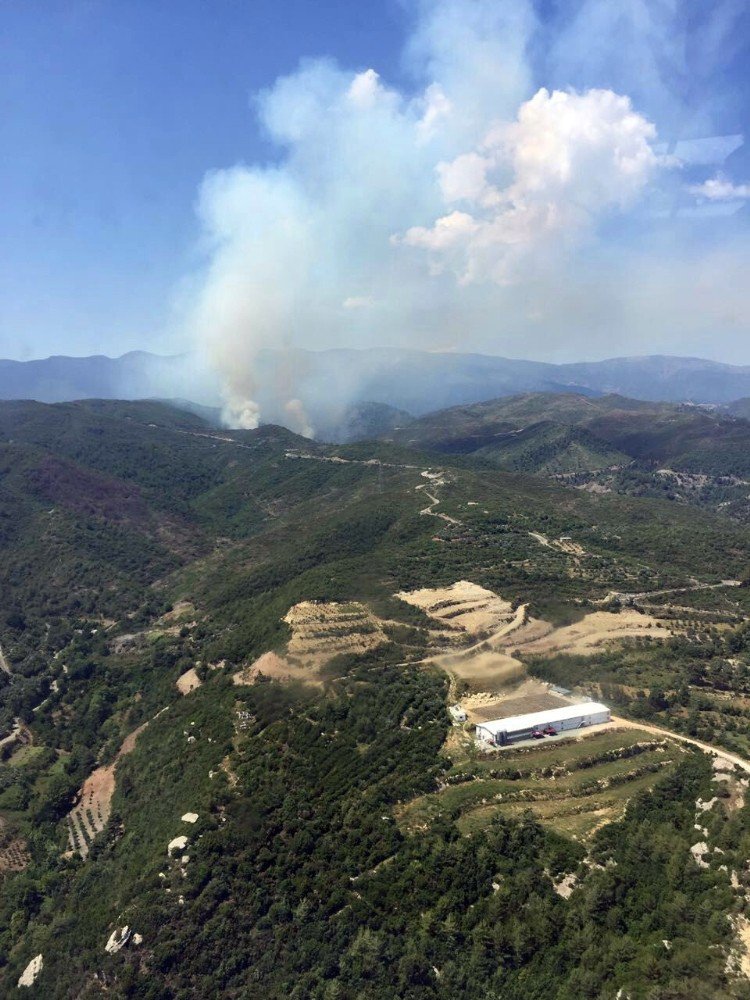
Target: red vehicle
x: 537, y: 734
x: 550, y: 731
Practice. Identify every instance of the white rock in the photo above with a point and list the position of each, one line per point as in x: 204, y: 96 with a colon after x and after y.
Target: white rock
x: 705, y: 806
x: 32, y: 970
x: 137, y: 939
x: 720, y: 764
x: 117, y: 940
x: 698, y: 850
x: 190, y: 818
x: 185, y: 858
x: 178, y: 844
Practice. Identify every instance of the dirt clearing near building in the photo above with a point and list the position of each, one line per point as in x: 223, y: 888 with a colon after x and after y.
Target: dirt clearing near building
x: 530, y: 696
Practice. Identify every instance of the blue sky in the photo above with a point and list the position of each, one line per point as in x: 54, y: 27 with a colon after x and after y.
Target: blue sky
x: 111, y: 114
x: 388, y: 185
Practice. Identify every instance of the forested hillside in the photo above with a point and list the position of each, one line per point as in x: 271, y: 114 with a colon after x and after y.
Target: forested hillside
x: 217, y: 715
x: 692, y: 455
x: 568, y: 432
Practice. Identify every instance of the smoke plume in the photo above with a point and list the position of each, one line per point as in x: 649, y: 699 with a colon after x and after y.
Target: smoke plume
x: 469, y: 205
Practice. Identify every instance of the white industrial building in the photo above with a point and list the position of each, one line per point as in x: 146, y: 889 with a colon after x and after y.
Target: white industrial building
x: 500, y: 732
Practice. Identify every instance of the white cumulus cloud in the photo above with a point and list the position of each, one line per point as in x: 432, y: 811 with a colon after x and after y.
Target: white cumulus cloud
x: 540, y: 182
x: 720, y: 188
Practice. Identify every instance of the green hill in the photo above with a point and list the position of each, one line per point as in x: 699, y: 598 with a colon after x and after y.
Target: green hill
x: 580, y: 433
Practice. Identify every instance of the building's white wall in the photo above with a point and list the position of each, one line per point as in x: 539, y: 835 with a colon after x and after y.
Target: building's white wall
x: 564, y: 725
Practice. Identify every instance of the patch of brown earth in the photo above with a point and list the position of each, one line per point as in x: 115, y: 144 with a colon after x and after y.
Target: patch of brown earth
x: 739, y: 960
x: 521, y: 704
x: 593, y: 631
x: 464, y: 607
x: 274, y: 666
x: 321, y: 631
x: 189, y: 681
x: 14, y: 855
x: 91, y: 813
x: 494, y: 662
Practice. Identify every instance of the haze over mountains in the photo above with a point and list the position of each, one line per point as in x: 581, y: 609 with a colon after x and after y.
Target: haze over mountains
x: 413, y: 382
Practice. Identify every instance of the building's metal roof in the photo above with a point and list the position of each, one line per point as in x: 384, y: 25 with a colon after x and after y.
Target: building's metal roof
x: 517, y: 722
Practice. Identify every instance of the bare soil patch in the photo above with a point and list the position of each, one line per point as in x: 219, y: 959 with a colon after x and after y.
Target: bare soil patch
x: 276, y: 667
x: 14, y: 855
x: 493, y: 663
x: 741, y: 963
x: 91, y: 813
x: 463, y: 607
x: 592, y: 631
x: 486, y: 672
x: 321, y: 631
x: 189, y: 681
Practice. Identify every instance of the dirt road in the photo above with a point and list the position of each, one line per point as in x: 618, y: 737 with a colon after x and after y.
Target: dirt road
x: 623, y: 595
x: 520, y: 617
x: 706, y: 747
x: 4, y: 665
x: 434, y: 501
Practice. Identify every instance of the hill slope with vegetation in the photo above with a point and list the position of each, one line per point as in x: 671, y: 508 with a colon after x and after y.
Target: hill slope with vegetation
x: 524, y: 432
x: 688, y: 454
x: 142, y: 547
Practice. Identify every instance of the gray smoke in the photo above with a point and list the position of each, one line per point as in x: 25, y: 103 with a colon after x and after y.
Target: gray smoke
x: 480, y: 210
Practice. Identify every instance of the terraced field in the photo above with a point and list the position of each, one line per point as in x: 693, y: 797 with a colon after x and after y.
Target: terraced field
x: 14, y: 855
x: 464, y: 607
x: 574, y: 786
x: 90, y: 814
x: 321, y: 631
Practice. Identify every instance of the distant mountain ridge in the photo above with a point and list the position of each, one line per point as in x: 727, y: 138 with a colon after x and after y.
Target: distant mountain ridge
x: 565, y: 433
x: 330, y: 382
